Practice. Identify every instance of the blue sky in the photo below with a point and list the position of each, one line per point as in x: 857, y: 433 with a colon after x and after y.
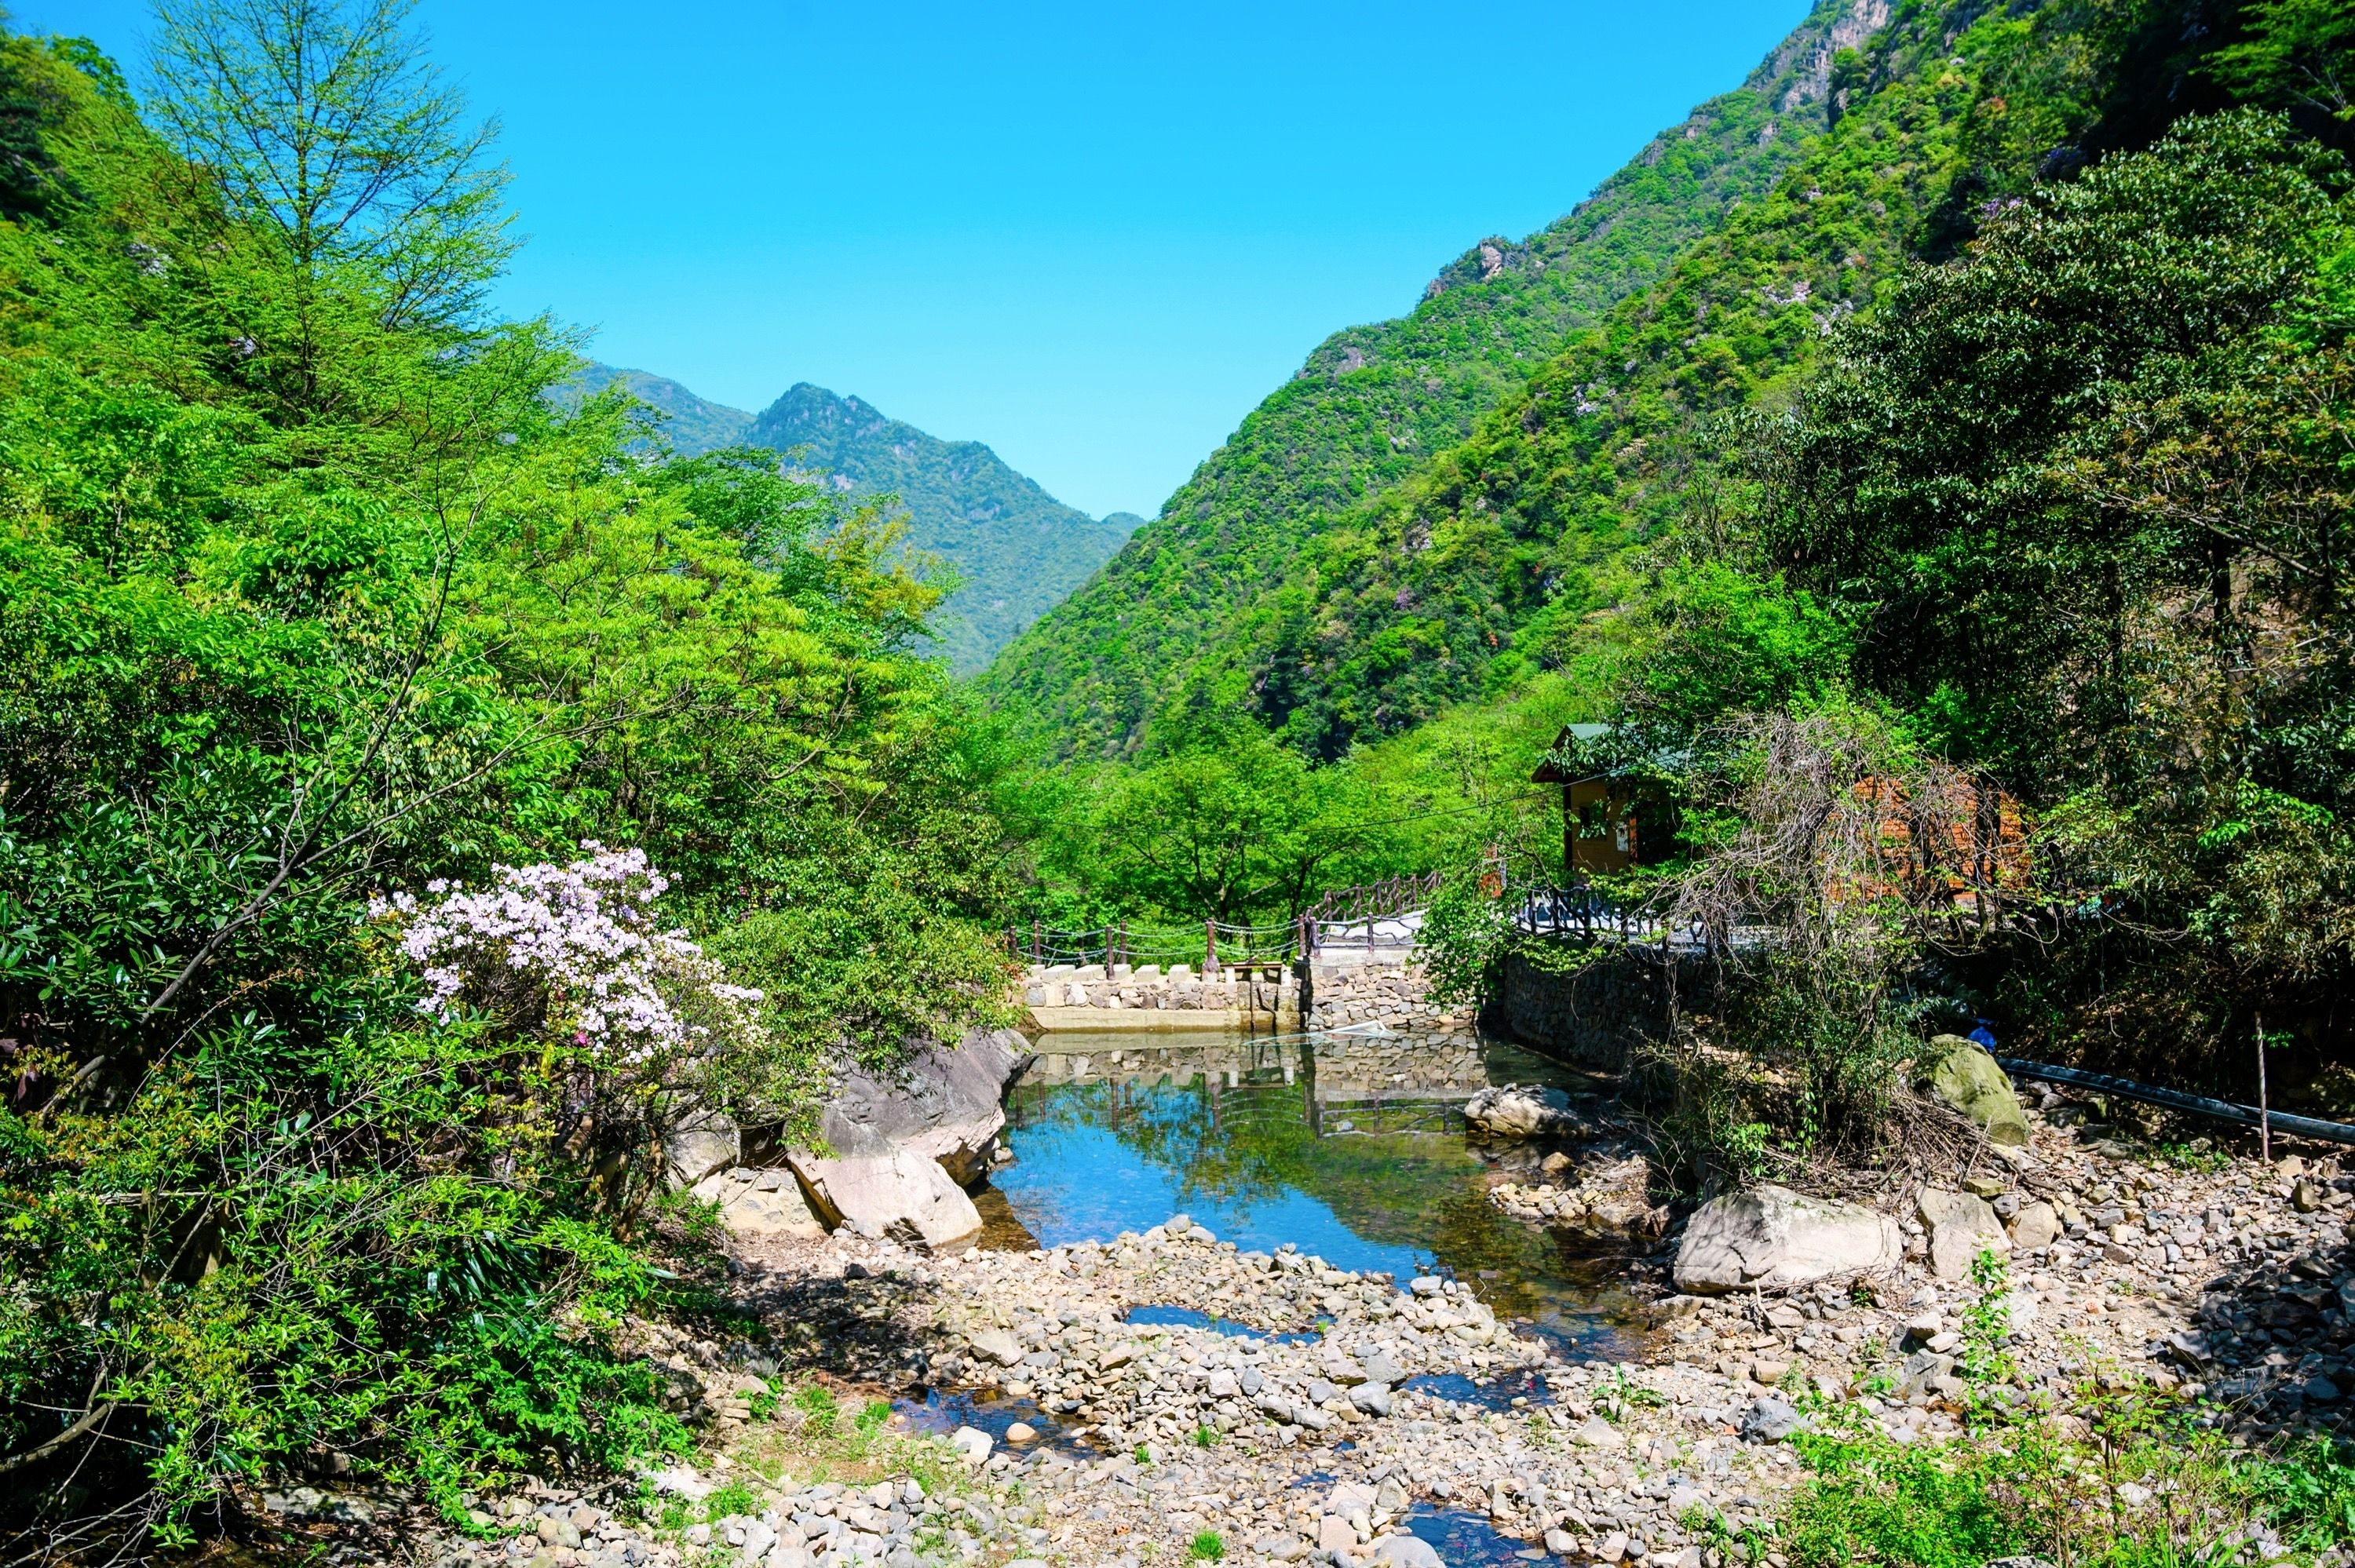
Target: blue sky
x: 1091, y: 236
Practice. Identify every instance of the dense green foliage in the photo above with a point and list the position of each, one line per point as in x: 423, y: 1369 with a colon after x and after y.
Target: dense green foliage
x: 1011, y: 549
x: 1374, y: 405
x: 308, y: 590
x: 1005, y: 550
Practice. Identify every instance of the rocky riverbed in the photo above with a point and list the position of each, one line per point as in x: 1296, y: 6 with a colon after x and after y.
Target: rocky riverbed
x: 1118, y: 1400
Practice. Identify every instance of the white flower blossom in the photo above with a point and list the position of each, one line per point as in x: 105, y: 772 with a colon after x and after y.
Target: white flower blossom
x: 585, y: 933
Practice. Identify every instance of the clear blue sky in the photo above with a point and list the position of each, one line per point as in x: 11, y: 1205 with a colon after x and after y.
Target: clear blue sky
x: 1091, y: 236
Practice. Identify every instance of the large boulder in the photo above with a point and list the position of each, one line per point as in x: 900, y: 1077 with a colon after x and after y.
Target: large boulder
x: 702, y: 1141
x: 902, y: 1193
x: 1518, y: 1110
x: 1771, y: 1238
x: 1960, y: 1073
x: 760, y: 1204
x: 946, y: 1102
x: 1960, y: 1227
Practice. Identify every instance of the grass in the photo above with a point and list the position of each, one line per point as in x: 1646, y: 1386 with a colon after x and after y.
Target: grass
x: 1205, y: 1437
x: 1209, y: 1546
x: 734, y: 1498
x: 2147, y: 1489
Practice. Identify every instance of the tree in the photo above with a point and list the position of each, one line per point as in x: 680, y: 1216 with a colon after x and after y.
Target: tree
x: 2296, y: 52
x: 324, y: 137
x: 1231, y: 826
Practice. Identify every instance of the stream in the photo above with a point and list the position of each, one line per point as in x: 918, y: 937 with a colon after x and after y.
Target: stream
x: 1338, y: 1143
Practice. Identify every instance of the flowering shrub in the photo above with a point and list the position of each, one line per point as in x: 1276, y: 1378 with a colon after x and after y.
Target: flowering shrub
x: 573, y: 952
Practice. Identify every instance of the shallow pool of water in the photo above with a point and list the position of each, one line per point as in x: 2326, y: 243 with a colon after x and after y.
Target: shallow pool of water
x: 1331, y: 1142
x: 1187, y: 1318
x: 1464, y: 1538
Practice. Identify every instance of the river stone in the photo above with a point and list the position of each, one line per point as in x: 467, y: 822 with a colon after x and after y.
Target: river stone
x: 1770, y: 1420
x: 1373, y: 1398
x: 1514, y: 1110
x: 972, y: 1442
x: 944, y: 1103
x: 903, y: 1194
x: 2036, y: 1224
x: 1341, y: 1367
x: 1962, y: 1074
x: 1960, y: 1225
x: 1406, y: 1552
x: 1771, y: 1238
x: 997, y: 1345
x: 751, y: 1204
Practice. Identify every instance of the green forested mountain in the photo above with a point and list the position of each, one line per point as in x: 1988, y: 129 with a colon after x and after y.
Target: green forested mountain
x: 2001, y: 429
x: 1375, y: 404
x: 1015, y: 549
x: 1510, y: 550
x: 692, y: 425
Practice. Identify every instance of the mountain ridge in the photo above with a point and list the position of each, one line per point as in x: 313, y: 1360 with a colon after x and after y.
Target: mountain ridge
x: 1014, y: 549
x: 1373, y: 404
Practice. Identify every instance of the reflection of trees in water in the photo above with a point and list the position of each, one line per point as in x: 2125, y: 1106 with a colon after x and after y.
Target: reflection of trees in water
x: 1244, y: 1146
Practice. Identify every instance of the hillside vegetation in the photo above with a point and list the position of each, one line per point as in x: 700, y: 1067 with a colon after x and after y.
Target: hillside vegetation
x: 1374, y: 405
x: 1998, y: 436
x: 1011, y: 549
x: 1001, y: 548
x: 690, y: 425
x: 414, y: 801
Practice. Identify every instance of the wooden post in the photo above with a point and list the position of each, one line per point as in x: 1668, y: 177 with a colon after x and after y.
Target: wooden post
x: 2264, y: 1113
x: 1209, y: 946
x: 1034, y: 942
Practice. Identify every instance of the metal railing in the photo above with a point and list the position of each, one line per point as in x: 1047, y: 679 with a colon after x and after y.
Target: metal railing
x: 1375, y: 917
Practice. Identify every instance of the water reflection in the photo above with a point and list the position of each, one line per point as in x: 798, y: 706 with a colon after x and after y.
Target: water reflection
x: 1350, y: 1146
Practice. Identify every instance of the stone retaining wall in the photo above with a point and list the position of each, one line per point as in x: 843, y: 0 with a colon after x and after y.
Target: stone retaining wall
x: 1596, y: 1016
x: 1593, y: 1016
x: 1148, y: 996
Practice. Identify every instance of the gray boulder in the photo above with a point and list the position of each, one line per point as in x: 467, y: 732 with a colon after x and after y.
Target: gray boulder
x: 1406, y: 1552
x: 1960, y: 1227
x: 2036, y: 1224
x: 699, y: 1143
x: 1515, y: 1110
x: 760, y: 1204
x: 1960, y: 1073
x: 1770, y: 1420
x: 946, y: 1103
x: 1771, y: 1238
x: 903, y: 1194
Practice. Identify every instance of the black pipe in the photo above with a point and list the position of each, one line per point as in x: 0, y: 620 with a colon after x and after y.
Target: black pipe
x: 2176, y: 1100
